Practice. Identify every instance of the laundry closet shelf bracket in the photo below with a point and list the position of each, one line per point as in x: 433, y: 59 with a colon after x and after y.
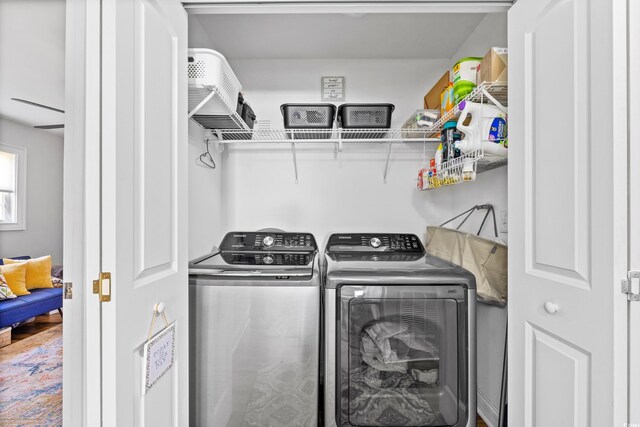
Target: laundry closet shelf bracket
x: 204, y: 100
x: 295, y: 160
x: 216, y: 144
x: 495, y: 102
x: 208, y: 137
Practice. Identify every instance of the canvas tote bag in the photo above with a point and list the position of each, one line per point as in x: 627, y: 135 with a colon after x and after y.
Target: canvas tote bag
x: 485, y: 258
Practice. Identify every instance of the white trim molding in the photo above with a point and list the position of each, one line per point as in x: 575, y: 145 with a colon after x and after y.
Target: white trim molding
x: 21, y: 188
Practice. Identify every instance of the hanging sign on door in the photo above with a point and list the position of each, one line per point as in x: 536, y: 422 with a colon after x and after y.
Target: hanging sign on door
x: 332, y: 88
x: 159, y: 355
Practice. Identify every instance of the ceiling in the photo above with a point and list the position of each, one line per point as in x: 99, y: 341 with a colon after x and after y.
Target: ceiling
x: 280, y: 36
x: 32, y: 58
x: 32, y: 37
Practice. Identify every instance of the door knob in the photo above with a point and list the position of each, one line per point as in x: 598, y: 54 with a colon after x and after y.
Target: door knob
x: 551, y: 307
x: 159, y: 307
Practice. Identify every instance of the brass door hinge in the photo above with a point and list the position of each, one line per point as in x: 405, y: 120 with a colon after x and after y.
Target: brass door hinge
x: 67, y: 290
x: 102, y: 287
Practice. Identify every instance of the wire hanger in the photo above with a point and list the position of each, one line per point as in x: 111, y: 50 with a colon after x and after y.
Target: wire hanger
x: 469, y: 212
x: 206, y: 159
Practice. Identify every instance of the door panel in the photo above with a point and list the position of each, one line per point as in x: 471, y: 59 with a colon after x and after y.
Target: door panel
x: 561, y: 210
x: 154, y: 156
x: 144, y: 113
x: 556, y: 371
x: 558, y: 249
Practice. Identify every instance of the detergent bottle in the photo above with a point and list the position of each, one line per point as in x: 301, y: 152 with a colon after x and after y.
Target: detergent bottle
x: 487, y: 129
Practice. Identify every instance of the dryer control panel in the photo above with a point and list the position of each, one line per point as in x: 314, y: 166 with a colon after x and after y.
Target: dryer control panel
x: 268, y: 242
x: 372, y: 242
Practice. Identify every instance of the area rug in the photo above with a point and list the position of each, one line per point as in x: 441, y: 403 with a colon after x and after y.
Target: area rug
x: 31, y: 381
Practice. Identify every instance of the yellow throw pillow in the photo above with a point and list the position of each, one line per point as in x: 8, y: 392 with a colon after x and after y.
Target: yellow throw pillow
x: 5, y: 290
x: 15, y: 275
x: 38, y: 271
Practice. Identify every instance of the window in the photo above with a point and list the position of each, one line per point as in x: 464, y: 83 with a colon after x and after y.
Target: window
x: 12, y: 187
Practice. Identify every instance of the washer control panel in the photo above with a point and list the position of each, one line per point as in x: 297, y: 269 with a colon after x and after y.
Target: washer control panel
x: 273, y: 258
x: 268, y: 242
x: 370, y: 242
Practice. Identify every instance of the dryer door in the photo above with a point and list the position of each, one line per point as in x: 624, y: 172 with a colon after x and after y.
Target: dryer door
x: 402, y: 352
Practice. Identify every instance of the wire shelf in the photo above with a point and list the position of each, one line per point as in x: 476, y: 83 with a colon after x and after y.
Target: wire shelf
x: 226, y: 116
x: 330, y: 136
x: 486, y: 92
x: 461, y: 169
x: 466, y: 167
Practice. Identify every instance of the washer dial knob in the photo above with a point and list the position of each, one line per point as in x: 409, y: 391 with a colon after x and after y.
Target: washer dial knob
x: 268, y: 241
x: 268, y: 259
x: 375, y: 242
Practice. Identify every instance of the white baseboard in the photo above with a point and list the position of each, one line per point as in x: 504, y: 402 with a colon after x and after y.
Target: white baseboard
x: 487, y: 411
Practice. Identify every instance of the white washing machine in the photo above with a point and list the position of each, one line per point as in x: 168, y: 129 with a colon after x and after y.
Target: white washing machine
x: 400, y: 335
x: 255, y: 332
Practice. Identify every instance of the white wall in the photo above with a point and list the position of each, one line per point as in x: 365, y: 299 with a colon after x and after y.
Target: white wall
x: 198, y: 36
x: 43, y: 234
x: 491, y: 187
x: 336, y: 192
x: 32, y: 54
x: 205, y: 196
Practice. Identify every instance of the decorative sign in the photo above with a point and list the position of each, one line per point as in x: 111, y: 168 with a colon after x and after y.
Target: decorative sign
x: 158, y: 355
x: 332, y: 88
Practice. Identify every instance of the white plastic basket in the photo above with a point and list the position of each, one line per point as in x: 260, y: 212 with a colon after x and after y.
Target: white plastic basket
x: 209, y: 70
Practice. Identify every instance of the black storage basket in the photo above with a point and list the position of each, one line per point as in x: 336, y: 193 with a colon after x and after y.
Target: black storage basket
x: 308, y: 116
x: 365, y: 116
x: 248, y: 116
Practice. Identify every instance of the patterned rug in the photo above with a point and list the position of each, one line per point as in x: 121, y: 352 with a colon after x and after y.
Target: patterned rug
x: 283, y: 396
x: 31, y: 381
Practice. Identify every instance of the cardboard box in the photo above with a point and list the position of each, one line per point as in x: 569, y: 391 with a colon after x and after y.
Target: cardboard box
x: 494, y: 66
x: 432, y: 98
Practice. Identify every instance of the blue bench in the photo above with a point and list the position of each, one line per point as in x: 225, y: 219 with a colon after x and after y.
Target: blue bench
x: 24, y: 307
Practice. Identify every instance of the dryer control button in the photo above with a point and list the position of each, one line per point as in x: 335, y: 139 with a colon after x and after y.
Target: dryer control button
x: 268, y: 241
x: 268, y: 259
x: 375, y: 242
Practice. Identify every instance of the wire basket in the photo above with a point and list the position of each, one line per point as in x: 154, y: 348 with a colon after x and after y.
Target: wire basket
x: 460, y: 169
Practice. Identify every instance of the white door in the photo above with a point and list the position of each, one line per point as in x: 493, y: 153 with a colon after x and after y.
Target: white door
x: 144, y: 205
x: 565, y: 237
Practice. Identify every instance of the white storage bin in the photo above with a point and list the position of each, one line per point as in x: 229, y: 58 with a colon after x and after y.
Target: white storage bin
x: 209, y: 71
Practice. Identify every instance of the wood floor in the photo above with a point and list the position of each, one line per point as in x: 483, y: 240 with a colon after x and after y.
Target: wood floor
x: 42, y: 323
x: 480, y: 422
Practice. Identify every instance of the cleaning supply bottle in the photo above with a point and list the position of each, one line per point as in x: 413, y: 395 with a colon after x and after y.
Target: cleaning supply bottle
x: 487, y: 129
x: 438, y: 157
x: 447, y: 141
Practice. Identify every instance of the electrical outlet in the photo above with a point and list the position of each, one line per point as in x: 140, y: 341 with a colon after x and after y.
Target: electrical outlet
x: 504, y: 221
